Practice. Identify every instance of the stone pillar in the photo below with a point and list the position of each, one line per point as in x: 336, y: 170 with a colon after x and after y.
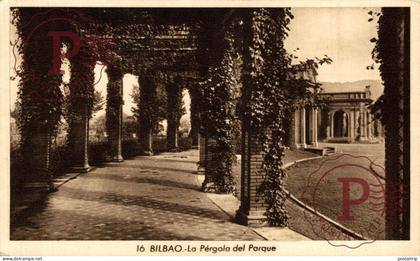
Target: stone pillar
x: 328, y: 127
x: 202, y: 145
x: 332, y: 124
x: 146, y: 137
x: 314, y: 126
x: 174, y: 103
x: 40, y: 98
x: 357, y: 121
x: 38, y: 159
x: 345, y: 125
x: 147, y: 113
x: 252, y: 208
x: 310, y: 125
x: 369, y: 125
x: 195, y: 117
x: 210, y: 164
x: 80, y: 133
x: 114, y: 113
x: 302, y: 127
x: 294, y: 132
x: 363, y: 127
x: 351, y: 124
x: 81, y: 85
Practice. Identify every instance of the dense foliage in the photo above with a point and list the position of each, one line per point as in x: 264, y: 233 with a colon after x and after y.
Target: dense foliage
x: 388, y: 39
x: 218, y: 115
x: 265, y: 107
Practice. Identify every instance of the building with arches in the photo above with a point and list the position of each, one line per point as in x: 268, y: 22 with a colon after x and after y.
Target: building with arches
x: 344, y: 118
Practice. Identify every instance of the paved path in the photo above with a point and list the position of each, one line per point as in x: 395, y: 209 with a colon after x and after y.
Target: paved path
x: 146, y: 198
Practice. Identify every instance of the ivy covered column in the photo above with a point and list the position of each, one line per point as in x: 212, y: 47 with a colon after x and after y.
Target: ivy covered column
x: 80, y: 108
x: 147, y: 113
x: 174, y: 104
x: 202, y: 145
x: 218, y: 114
x: 39, y: 96
x: 265, y: 114
x: 392, y: 51
x: 114, y: 112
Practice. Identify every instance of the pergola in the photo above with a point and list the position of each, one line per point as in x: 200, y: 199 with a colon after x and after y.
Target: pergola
x: 177, y: 48
x: 170, y: 47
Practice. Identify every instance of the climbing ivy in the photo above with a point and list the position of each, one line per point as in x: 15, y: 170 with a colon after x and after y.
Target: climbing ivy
x: 270, y: 94
x: 266, y: 70
x: 39, y: 95
x: 388, y: 39
x: 114, y: 96
x: 218, y: 115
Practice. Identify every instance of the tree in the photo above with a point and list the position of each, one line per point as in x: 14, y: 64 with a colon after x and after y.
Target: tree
x: 98, y: 102
x: 161, y: 102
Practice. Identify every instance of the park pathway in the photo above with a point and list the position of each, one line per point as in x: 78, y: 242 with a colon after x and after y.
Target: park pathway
x: 145, y: 198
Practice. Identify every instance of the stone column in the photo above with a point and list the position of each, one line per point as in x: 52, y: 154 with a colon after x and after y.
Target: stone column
x: 328, y: 127
x: 39, y: 96
x: 114, y: 112
x: 362, y: 124
x: 174, y: 103
x: 210, y: 163
x: 81, y: 85
x: 332, y: 124
x: 369, y: 125
x: 80, y: 133
x: 302, y: 127
x: 251, y: 211
x: 147, y: 113
x: 37, y: 160
x: 351, y: 124
x: 310, y: 125
x: 195, y: 117
x: 294, y: 136
x: 202, y: 145
x: 146, y: 137
x: 314, y: 126
x: 357, y: 127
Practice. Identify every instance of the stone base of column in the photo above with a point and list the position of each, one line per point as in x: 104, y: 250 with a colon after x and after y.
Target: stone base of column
x: 146, y: 153
x: 83, y: 169
x: 174, y: 150
x: 254, y: 218
x: 41, y: 186
x: 141, y: 152
x: 314, y: 144
x: 302, y: 145
x: 363, y: 138
x: 117, y: 158
x: 194, y: 147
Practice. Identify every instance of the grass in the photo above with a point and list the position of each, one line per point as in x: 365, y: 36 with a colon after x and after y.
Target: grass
x: 325, y: 193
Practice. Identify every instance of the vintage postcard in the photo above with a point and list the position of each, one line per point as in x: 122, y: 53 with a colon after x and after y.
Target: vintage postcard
x: 236, y: 128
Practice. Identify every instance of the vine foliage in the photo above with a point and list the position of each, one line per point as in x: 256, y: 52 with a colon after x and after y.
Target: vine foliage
x: 218, y: 115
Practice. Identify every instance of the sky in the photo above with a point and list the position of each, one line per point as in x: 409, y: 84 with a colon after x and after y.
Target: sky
x: 341, y: 33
